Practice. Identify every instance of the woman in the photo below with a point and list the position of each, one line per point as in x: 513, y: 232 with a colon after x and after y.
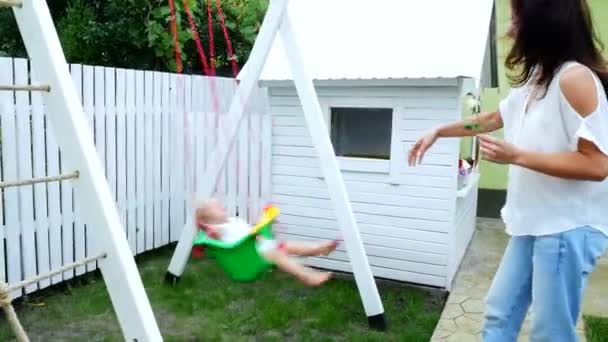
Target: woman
x: 555, y: 122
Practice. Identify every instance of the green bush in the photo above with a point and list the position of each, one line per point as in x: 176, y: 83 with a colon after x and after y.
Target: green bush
x: 137, y: 33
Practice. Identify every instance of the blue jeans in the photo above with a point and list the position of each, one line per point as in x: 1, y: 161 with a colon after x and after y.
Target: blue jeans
x: 548, y: 273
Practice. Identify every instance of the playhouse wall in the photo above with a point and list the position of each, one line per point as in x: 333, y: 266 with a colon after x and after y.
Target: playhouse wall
x: 405, y: 215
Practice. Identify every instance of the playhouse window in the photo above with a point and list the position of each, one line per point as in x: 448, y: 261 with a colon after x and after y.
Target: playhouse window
x: 362, y: 132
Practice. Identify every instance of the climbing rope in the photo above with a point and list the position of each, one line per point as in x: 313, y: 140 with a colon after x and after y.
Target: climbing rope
x: 11, y: 315
x: 5, y: 293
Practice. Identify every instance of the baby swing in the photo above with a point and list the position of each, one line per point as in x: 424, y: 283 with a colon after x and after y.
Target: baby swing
x: 240, y: 259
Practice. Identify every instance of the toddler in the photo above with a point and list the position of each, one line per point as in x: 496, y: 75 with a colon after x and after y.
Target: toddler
x: 212, y: 217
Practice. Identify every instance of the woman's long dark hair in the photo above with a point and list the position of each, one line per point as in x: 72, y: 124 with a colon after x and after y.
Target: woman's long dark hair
x: 549, y: 33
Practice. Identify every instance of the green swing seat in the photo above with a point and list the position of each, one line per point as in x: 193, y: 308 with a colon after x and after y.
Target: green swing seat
x: 240, y: 259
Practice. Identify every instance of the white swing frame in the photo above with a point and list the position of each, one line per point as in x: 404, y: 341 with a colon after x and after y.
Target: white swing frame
x: 72, y: 133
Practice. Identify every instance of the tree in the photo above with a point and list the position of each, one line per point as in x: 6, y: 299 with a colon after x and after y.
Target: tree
x: 137, y: 33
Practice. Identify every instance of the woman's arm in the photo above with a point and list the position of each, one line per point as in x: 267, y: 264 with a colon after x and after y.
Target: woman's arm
x: 588, y: 163
x: 482, y: 123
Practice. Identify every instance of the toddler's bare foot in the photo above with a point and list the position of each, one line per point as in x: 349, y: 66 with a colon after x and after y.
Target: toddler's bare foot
x: 316, y: 278
x: 328, y: 247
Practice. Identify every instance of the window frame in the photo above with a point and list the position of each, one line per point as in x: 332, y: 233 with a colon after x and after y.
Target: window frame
x: 368, y: 165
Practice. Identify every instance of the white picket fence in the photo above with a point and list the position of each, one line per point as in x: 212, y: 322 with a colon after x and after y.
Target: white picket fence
x: 142, y: 122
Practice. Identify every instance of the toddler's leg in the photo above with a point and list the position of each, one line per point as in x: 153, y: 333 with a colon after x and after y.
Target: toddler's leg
x: 302, y: 248
x: 304, y: 274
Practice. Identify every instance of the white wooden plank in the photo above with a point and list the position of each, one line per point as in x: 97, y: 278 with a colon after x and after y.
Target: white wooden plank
x: 186, y: 186
x: 433, y: 181
x: 153, y: 158
x: 442, y: 146
x: 148, y: 160
x: 255, y: 164
x: 140, y: 194
x: 121, y: 145
x: 110, y: 93
x: 88, y: 97
x: 266, y: 172
x: 199, y: 136
x: 288, y: 121
x: 380, y: 272
x: 444, y: 103
x: 420, y: 124
x: 175, y: 150
x: 26, y: 199
x: 418, y: 191
x: 438, y: 165
x: 131, y: 162
x: 390, y: 221
x: 366, y: 208
x: 100, y: 120
x: 366, y: 228
x: 166, y: 157
x: 374, y: 240
x: 156, y: 152
x: 79, y: 221
x: 365, y: 197
x: 222, y: 130
x: 67, y: 224
x: 10, y: 172
x: 292, y: 141
x: 88, y: 94
x: 243, y: 146
x: 366, y: 92
x: 440, y: 112
x: 293, y: 151
x: 295, y: 109
x: 390, y: 255
x: 40, y: 203
x: 281, y: 131
x: 234, y: 161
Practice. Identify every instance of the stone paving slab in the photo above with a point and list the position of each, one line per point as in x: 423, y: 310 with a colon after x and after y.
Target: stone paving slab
x: 462, y: 316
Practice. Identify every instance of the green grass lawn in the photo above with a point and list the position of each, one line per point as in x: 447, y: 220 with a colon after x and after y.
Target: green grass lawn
x: 597, y: 329
x: 207, y: 306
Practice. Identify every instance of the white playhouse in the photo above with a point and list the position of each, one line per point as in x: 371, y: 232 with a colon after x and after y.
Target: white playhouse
x: 385, y: 72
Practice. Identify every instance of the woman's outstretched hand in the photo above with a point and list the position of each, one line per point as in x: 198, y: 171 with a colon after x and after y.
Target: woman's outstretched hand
x: 498, y: 151
x: 422, y: 145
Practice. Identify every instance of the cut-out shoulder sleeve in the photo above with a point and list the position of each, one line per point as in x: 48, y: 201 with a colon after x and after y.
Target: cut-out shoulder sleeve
x: 584, y: 118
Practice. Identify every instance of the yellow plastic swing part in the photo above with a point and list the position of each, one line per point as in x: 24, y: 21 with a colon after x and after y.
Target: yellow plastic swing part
x: 269, y: 214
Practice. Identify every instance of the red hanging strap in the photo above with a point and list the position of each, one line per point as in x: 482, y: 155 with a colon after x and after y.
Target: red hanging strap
x: 201, y: 55
x: 197, y: 39
x: 211, y: 39
x: 178, y: 54
x: 231, y: 56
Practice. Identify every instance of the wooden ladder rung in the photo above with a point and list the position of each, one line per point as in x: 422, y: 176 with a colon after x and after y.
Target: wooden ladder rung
x: 10, y: 3
x: 45, y: 88
x: 12, y: 184
x: 53, y: 273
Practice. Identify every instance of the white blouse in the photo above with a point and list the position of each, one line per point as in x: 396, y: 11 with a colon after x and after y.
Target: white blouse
x: 539, y: 204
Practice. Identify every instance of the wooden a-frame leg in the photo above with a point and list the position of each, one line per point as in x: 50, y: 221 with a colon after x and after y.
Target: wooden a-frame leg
x: 333, y: 177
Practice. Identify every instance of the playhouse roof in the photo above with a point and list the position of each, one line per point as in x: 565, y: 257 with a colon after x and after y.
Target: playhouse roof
x: 386, y: 39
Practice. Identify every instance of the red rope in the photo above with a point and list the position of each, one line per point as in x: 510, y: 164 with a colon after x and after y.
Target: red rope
x: 197, y: 39
x: 201, y: 55
x: 231, y: 56
x: 178, y: 54
x: 211, y: 40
